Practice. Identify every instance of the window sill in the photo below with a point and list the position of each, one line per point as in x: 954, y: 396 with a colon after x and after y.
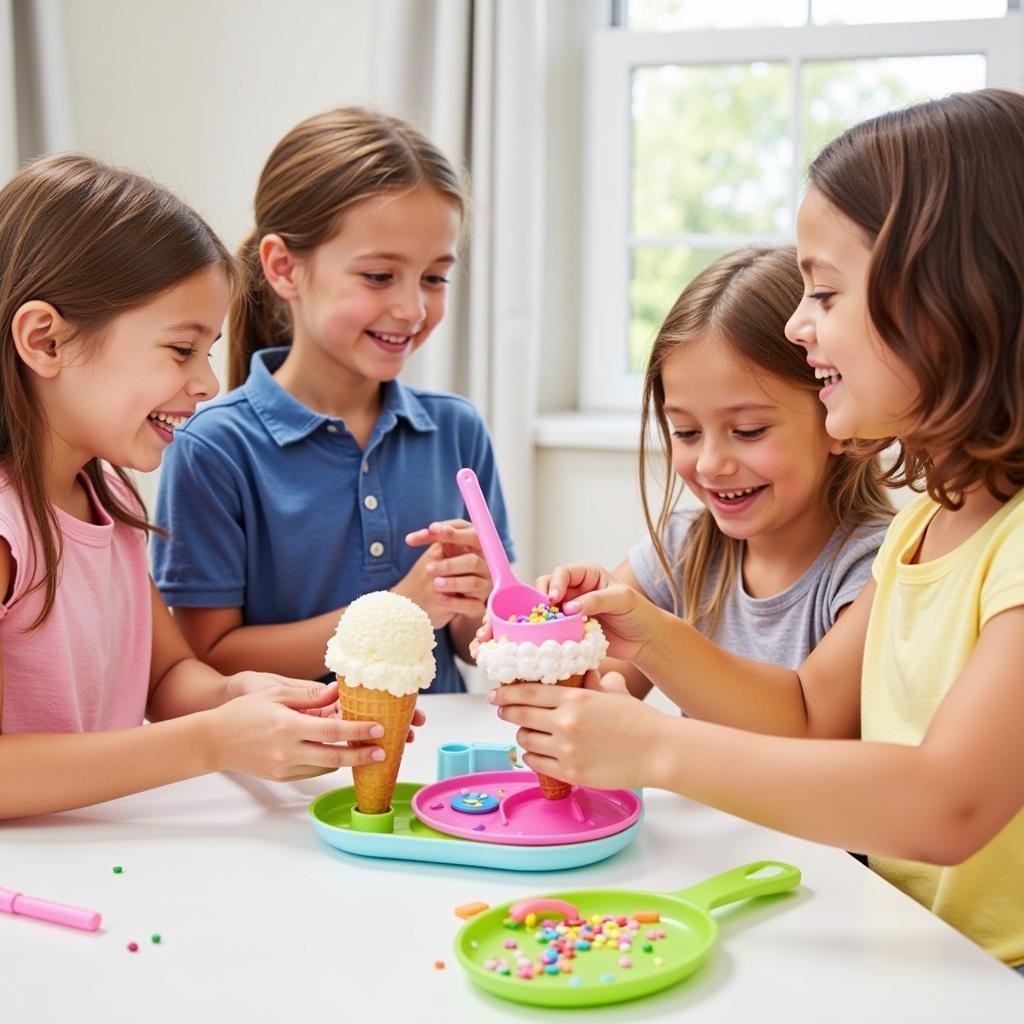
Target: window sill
x: 596, y: 431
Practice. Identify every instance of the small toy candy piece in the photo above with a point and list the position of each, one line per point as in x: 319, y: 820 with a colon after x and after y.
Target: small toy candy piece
x: 647, y: 916
x: 607, y: 978
x: 510, y: 944
x: 133, y: 947
x: 439, y: 965
x: 625, y: 962
x: 155, y: 938
x: 118, y: 869
x: 658, y: 962
x: 575, y: 980
x: 468, y: 910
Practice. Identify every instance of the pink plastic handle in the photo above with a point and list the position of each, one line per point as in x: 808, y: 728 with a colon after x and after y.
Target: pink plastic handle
x: 490, y: 542
x: 540, y: 905
x: 46, y: 910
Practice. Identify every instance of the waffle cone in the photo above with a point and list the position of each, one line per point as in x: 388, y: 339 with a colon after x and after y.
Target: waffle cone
x: 552, y: 788
x: 375, y: 782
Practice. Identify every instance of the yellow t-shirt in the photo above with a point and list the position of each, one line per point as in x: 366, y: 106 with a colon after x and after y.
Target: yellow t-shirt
x: 925, y: 622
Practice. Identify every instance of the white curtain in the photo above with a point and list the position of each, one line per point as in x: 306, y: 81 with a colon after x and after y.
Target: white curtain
x: 36, y: 110
x: 471, y: 75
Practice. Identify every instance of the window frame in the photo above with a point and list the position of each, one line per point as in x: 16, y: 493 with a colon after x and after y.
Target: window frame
x: 614, y: 53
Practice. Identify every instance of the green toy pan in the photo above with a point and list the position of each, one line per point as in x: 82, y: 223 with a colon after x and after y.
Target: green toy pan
x: 495, y: 946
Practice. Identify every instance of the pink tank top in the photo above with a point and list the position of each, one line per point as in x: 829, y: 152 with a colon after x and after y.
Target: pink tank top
x: 86, y: 669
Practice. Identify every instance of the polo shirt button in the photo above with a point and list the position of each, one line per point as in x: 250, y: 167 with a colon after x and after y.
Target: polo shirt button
x: 332, y: 428
x: 370, y: 502
x: 376, y: 549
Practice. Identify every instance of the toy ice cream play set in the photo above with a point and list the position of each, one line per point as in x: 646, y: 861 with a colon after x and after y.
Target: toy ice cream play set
x: 482, y: 812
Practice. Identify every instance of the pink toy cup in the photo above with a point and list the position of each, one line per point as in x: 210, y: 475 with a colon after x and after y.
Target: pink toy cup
x: 510, y: 595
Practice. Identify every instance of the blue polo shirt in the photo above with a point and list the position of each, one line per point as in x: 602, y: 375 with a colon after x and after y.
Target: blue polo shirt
x: 275, y: 509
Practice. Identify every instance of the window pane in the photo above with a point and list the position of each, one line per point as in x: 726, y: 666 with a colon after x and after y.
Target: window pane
x: 675, y: 15
x: 865, y: 12
x: 711, y: 152
x: 837, y: 94
x: 659, y: 274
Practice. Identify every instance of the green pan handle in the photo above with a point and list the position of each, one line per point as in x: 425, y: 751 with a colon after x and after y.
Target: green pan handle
x: 738, y: 885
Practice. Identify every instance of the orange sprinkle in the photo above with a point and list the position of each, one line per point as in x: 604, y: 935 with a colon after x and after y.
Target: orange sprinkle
x: 439, y: 964
x: 468, y: 910
x: 646, y: 917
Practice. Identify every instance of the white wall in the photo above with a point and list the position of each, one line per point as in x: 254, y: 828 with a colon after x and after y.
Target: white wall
x: 195, y: 93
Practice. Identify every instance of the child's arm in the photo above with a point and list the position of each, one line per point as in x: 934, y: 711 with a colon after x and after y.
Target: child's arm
x: 265, y: 734
x: 296, y: 649
x: 938, y: 802
x: 746, y: 694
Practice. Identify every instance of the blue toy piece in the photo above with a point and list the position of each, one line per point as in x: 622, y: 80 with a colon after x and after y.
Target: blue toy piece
x: 468, y: 758
x: 474, y: 803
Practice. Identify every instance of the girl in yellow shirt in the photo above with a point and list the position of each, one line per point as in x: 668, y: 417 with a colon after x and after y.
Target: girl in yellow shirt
x: 901, y: 733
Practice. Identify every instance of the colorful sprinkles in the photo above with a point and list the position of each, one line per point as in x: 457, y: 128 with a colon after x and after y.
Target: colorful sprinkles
x: 563, y: 941
x: 539, y: 613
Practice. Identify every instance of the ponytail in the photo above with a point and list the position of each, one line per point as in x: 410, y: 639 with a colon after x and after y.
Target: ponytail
x: 257, y: 318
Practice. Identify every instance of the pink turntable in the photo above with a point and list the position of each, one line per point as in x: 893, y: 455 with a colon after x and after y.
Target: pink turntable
x: 509, y: 808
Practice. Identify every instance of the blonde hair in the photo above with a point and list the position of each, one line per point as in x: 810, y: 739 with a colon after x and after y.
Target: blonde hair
x: 742, y: 300
x: 320, y: 169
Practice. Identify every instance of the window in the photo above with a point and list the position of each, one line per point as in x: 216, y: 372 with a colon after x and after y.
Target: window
x: 702, y: 117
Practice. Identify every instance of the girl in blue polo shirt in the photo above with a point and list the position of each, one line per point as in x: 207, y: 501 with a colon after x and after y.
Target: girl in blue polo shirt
x: 320, y: 477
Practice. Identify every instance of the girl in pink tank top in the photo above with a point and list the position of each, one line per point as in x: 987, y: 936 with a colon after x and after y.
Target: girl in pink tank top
x: 112, y: 295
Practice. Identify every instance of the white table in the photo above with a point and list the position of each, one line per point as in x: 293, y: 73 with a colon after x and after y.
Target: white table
x: 261, y: 921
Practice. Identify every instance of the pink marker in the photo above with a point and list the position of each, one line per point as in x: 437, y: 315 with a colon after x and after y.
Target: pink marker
x: 45, y: 910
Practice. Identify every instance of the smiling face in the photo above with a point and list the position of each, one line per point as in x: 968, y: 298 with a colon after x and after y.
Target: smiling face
x: 122, y: 400
x: 750, y: 445
x: 372, y: 294
x: 867, y: 391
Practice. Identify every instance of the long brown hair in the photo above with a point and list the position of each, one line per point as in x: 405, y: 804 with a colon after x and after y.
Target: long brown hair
x: 742, y: 300
x: 93, y: 241
x: 938, y: 190
x: 320, y: 169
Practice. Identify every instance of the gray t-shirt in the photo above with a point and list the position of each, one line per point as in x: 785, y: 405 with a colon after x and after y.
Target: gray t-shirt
x: 784, y: 628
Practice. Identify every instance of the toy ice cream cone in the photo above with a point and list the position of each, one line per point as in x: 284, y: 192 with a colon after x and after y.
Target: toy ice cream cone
x: 552, y: 788
x: 380, y: 653
x: 375, y: 782
x: 553, y: 663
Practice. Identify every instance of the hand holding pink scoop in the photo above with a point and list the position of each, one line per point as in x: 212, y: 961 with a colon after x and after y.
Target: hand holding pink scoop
x: 510, y: 596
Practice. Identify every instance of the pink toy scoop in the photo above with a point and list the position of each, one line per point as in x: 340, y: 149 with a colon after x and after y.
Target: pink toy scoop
x: 510, y: 596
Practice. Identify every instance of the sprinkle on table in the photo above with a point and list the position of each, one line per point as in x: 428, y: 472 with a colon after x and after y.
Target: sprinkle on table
x: 439, y: 965
x: 155, y: 938
x: 468, y: 910
x: 133, y: 947
x: 118, y: 869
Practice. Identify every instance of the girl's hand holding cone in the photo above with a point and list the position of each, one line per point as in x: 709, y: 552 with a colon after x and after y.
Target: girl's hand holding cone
x: 567, y: 734
x: 267, y: 733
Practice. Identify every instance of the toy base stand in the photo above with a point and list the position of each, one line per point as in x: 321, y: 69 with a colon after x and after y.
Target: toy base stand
x: 400, y: 835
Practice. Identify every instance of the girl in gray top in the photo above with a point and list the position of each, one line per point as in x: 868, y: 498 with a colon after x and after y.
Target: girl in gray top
x: 791, y: 518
